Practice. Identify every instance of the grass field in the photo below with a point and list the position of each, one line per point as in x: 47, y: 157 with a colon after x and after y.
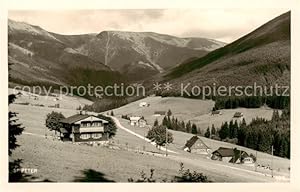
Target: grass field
x: 182, y: 108
x: 58, y: 161
x: 65, y: 102
x: 195, y: 110
x: 61, y: 161
x: 180, y: 138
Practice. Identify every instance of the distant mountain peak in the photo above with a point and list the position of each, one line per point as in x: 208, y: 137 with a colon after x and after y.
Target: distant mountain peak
x: 23, y: 27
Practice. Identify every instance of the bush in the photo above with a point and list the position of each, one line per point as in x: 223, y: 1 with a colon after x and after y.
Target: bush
x: 144, y: 178
x: 188, y: 176
x: 184, y: 175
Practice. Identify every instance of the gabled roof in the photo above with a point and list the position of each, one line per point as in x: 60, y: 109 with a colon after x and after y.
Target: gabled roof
x: 78, y: 117
x: 225, y: 152
x: 238, y: 114
x: 74, y: 118
x: 193, y: 140
x: 229, y: 152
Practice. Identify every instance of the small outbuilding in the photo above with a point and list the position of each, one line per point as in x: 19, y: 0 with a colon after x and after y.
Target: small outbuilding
x: 137, y: 121
x: 216, y: 113
x: 238, y: 115
x: 159, y: 113
x: 144, y: 104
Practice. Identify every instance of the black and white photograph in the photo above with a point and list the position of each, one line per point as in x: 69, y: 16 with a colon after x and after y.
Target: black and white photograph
x: 149, y: 95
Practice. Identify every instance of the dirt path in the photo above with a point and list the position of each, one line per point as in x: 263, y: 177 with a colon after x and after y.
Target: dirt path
x: 119, y: 125
x: 34, y: 134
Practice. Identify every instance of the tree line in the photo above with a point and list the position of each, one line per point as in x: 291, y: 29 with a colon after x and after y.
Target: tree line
x: 274, y: 102
x: 174, y: 124
x: 232, y: 102
x: 260, y: 134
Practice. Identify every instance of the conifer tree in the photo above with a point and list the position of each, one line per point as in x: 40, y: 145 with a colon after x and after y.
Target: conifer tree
x: 213, y: 130
x: 188, y: 127
x: 207, y: 133
x: 194, y: 129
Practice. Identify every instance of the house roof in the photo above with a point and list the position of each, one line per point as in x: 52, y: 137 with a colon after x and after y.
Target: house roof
x: 78, y: 117
x: 225, y: 152
x: 193, y: 140
x: 160, y: 112
x: 238, y: 114
x: 229, y: 152
x: 74, y: 118
x: 136, y: 118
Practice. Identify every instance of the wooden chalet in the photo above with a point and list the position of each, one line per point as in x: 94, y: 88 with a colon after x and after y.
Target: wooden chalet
x: 84, y: 128
x: 196, y: 145
x: 230, y: 155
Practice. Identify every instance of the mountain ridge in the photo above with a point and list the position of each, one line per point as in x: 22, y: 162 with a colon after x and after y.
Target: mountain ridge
x: 261, y: 56
x: 128, y: 53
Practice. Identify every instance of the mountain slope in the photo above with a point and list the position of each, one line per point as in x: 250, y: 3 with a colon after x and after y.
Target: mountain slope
x: 37, y: 56
x: 136, y: 55
x: 262, y: 56
x: 133, y: 52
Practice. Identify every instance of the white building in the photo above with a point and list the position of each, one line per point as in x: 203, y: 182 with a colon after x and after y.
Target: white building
x: 143, y: 104
x: 137, y: 121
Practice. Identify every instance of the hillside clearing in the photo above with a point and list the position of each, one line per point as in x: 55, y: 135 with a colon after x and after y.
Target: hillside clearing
x: 184, y: 109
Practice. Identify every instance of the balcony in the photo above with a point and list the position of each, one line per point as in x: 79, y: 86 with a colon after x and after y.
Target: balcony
x: 91, y: 129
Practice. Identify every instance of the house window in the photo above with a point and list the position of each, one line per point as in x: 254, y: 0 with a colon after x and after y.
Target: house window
x: 96, y: 135
x: 85, y: 136
x: 96, y: 124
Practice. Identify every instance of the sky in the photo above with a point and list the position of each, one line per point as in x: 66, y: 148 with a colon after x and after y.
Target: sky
x: 224, y: 25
